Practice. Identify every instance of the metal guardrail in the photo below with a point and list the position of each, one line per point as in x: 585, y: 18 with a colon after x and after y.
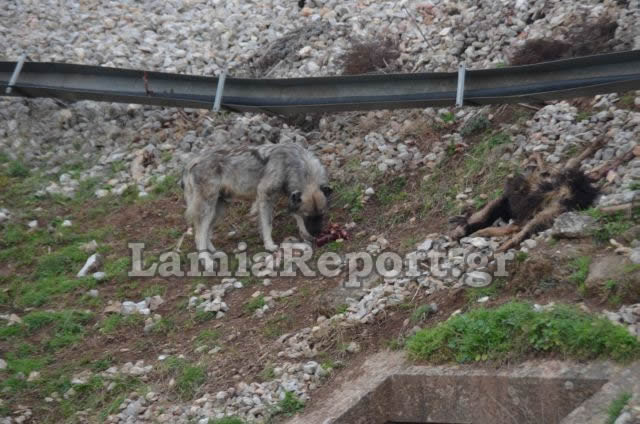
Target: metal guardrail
x: 559, y: 79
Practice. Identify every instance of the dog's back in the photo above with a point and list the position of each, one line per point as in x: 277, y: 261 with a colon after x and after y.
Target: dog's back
x: 239, y: 171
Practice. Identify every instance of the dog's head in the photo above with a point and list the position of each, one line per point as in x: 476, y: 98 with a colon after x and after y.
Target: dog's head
x: 311, y: 204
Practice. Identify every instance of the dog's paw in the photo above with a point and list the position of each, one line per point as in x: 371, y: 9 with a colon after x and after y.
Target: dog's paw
x: 270, y: 247
x: 458, y: 220
x: 458, y: 233
x: 509, y: 244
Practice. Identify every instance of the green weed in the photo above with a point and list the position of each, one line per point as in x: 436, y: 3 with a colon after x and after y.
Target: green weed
x: 515, y: 330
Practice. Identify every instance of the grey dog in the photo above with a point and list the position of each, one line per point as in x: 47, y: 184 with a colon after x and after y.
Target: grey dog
x: 259, y: 173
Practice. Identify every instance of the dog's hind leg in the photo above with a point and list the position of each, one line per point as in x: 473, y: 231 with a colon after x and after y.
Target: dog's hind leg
x: 219, y: 211
x: 539, y: 221
x: 574, y: 163
x: 204, y: 219
x: 203, y: 222
x: 497, y: 231
x: 485, y: 217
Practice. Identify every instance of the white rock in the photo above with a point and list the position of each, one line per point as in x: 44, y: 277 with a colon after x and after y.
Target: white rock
x: 353, y: 347
x: 92, y: 264
x: 89, y: 247
x: 310, y: 367
x: 425, y: 245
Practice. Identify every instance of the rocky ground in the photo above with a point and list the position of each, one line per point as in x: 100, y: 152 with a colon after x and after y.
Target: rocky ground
x: 107, y: 172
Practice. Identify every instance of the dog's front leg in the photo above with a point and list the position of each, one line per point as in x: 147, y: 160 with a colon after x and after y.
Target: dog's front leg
x: 304, y: 234
x: 265, y: 209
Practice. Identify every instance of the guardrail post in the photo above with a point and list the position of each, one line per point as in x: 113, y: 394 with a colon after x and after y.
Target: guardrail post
x: 16, y: 73
x: 218, y: 100
x: 460, y: 92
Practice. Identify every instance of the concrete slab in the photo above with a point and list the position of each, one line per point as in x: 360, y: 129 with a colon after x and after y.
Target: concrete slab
x: 387, y: 389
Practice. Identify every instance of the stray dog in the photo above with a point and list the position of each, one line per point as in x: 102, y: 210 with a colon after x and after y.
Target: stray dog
x: 259, y: 173
x: 533, y: 202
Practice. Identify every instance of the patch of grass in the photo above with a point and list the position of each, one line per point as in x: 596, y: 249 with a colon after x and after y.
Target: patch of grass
x: 64, y: 327
x: 421, y: 313
x: 448, y: 117
x: 125, y: 289
x: 67, y: 260
x: 330, y: 364
x: 169, y: 184
x: 13, y: 234
x: 349, y: 197
x: 204, y: 316
x: 341, y: 309
x: 166, y: 156
x: 580, y: 267
x: 395, y: 343
x: 17, y: 169
x: 86, y: 190
x: 254, y: 304
x: 207, y: 338
x: 117, y: 166
x: 45, y: 290
x: 10, y: 331
x: 610, y: 226
x: 275, y: 327
x: 24, y: 365
x: 118, y: 269
x: 583, y: 115
x: 611, y: 288
x: 155, y: 290
x: 475, y: 125
x: 631, y: 268
x: 616, y: 407
x: 227, y: 420
x: 268, y: 373
x: 474, y: 293
x: 164, y: 326
x: 521, y: 256
x: 68, y: 330
x: 334, y: 246
x: 628, y: 100
x: 114, y: 322
x: 479, y: 153
x: 102, y: 364
x: 393, y: 192
x: 290, y: 404
x: 515, y: 331
x: 188, y: 377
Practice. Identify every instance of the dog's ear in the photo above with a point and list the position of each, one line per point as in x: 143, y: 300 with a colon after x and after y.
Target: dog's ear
x: 326, y: 190
x: 295, y: 199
